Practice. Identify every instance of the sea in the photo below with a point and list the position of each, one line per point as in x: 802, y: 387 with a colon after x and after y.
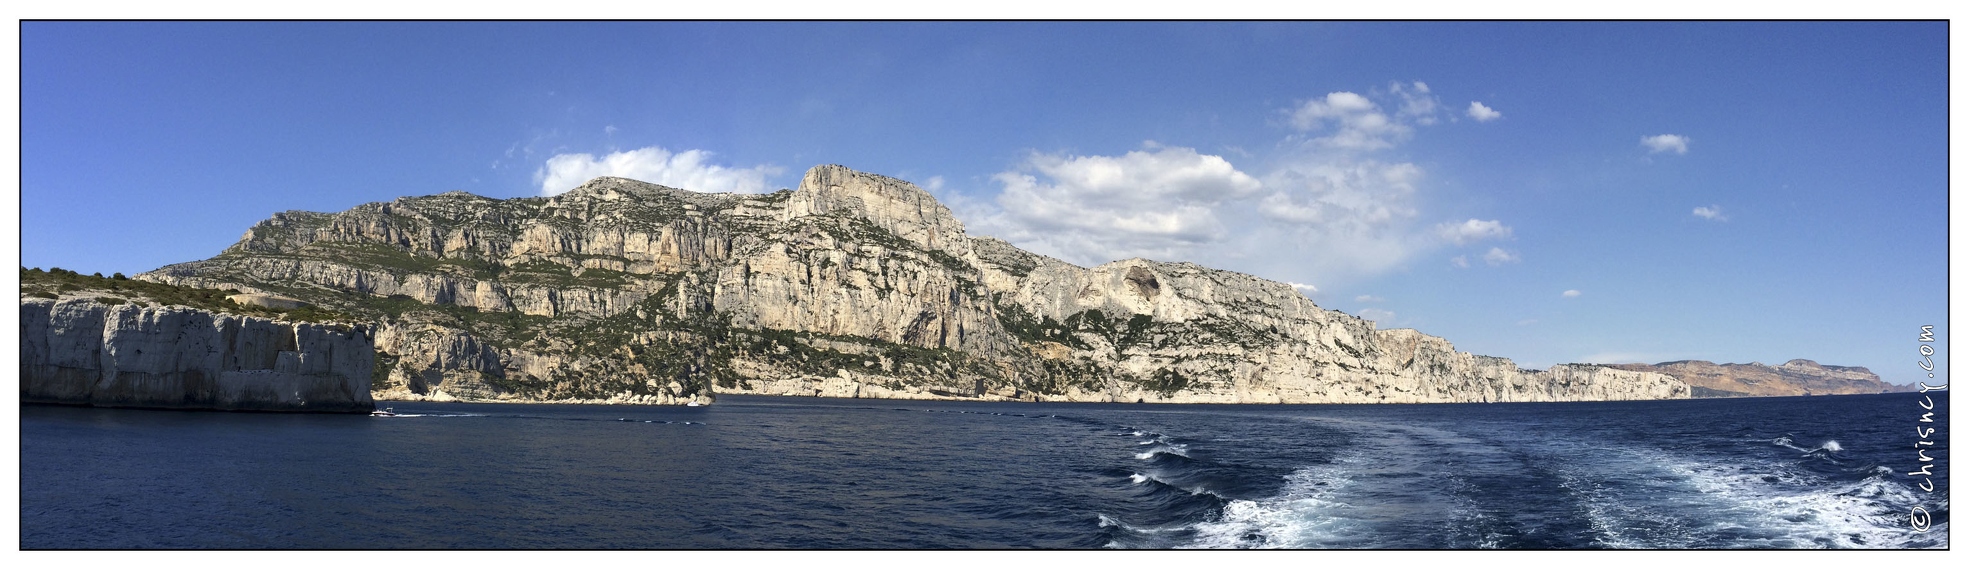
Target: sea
x: 811, y: 473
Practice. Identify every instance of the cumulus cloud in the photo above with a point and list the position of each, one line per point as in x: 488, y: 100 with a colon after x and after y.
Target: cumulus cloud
x: 1095, y: 208
x: 688, y: 170
x: 1473, y: 230
x: 1497, y: 256
x: 1328, y: 208
x: 1357, y: 123
x: 1570, y: 293
x: 1658, y: 144
x: 1377, y: 315
x: 1482, y: 113
x: 1711, y: 213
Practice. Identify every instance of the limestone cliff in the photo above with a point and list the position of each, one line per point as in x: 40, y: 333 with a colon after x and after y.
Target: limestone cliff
x: 80, y: 351
x: 1798, y: 377
x: 851, y: 284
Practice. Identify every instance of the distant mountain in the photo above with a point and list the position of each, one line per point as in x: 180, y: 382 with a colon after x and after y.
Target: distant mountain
x: 1793, y: 378
x: 853, y: 284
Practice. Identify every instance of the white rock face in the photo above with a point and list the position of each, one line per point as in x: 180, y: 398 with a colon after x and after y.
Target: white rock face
x: 83, y: 352
x: 851, y: 285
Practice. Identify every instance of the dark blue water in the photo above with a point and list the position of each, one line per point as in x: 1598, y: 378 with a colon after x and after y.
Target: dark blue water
x: 758, y: 472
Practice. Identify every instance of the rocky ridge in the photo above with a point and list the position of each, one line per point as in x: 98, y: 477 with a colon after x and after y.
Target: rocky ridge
x: 1798, y: 377
x: 852, y: 285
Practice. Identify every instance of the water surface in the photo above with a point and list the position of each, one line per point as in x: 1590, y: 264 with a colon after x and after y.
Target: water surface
x: 765, y: 472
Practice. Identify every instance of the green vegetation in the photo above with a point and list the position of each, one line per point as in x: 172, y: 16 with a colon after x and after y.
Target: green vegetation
x: 399, y: 261
x: 1024, y: 327
x: 51, y: 283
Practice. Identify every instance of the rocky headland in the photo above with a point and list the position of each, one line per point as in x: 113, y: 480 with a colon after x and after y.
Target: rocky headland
x: 1798, y: 377
x: 850, y: 285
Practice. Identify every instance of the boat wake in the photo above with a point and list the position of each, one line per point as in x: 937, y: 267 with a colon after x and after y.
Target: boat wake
x: 1436, y: 488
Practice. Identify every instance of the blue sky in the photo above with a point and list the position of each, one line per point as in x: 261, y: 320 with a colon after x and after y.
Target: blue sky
x: 1728, y: 192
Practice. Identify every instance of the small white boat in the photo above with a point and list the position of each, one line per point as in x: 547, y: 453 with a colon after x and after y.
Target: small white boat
x: 693, y: 404
x: 384, y: 413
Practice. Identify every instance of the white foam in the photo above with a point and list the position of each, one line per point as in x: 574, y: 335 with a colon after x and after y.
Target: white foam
x: 1688, y: 503
x: 1305, y: 514
x: 1169, y: 448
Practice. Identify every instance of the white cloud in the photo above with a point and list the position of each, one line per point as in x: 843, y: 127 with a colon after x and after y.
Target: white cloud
x: 609, y: 130
x: 1482, y: 113
x: 1497, y: 256
x: 1416, y: 102
x: 687, y: 170
x: 1527, y: 322
x: 1304, y: 288
x: 1368, y: 299
x: 1712, y: 213
x: 1570, y: 293
x: 1459, y: 262
x: 1473, y: 230
x: 1358, y: 123
x: 933, y: 184
x: 1377, y: 315
x: 1327, y: 209
x: 1356, y: 214
x: 1657, y: 144
x: 1095, y: 209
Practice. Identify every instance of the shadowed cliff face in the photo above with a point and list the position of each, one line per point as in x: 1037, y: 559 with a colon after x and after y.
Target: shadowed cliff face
x: 852, y: 284
x: 1797, y: 377
x: 83, y: 352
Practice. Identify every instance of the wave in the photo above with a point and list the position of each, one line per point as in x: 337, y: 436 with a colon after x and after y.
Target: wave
x: 1306, y: 513
x: 1792, y: 510
x: 1646, y: 498
x: 1175, y: 449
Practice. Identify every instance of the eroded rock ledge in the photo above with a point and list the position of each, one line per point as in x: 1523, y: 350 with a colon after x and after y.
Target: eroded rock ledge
x: 82, y: 352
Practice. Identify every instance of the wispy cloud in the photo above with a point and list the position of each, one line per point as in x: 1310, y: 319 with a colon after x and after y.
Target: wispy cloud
x: 1473, y: 230
x: 1498, y: 256
x: 1570, y: 293
x: 1482, y: 113
x: 1356, y: 122
x: 1417, y: 104
x: 1658, y: 144
x: 1368, y: 299
x: 688, y: 170
x: 1712, y: 213
x: 1459, y: 262
x: 1378, y: 315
